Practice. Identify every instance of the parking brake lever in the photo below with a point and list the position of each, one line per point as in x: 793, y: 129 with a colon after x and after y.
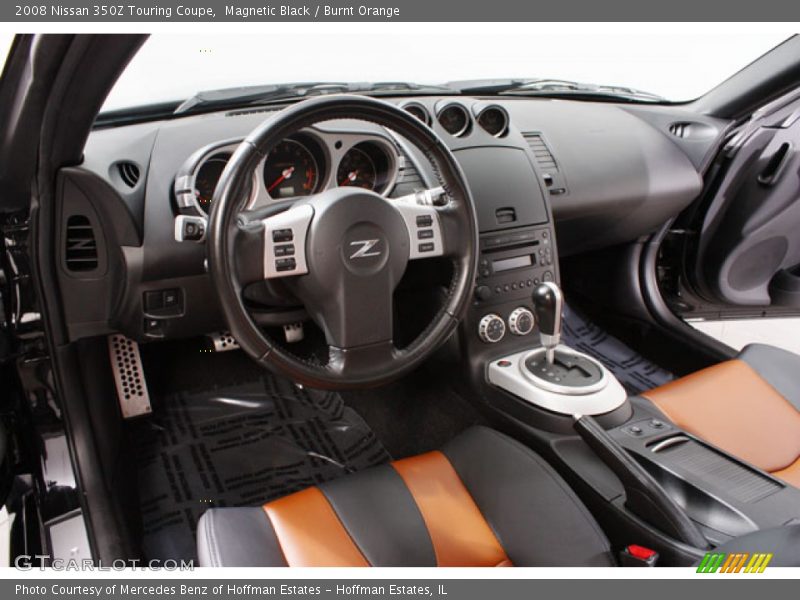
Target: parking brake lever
x: 644, y: 495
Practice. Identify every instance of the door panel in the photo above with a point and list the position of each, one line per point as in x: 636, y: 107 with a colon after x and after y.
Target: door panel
x: 748, y: 250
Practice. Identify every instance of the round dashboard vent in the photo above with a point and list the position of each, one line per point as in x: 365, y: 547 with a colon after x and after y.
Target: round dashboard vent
x: 454, y: 119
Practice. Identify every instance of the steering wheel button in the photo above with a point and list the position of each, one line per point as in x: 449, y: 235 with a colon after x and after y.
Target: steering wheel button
x: 424, y: 220
x: 282, y: 235
x: 424, y: 234
x: 428, y: 247
x: 285, y: 264
x: 284, y: 250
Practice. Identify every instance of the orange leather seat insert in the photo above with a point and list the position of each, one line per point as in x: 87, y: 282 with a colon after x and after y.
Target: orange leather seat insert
x: 311, y: 534
x: 731, y: 406
x: 460, y: 535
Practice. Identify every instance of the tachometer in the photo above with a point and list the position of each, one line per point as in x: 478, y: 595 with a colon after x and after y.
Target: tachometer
x: 290, y: 170
x: 357, y: 169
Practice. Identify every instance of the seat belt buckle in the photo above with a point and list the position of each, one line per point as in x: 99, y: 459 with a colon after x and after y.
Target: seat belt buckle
x: 638, y: 556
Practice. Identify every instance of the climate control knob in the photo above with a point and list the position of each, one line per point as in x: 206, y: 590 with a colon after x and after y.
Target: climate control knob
x: 491, y: 329
x: 521, y: 321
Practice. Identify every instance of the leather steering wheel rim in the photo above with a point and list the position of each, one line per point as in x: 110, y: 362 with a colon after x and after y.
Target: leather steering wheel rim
x: 458, y: 229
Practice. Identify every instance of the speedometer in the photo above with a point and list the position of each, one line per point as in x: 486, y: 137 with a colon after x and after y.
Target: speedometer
x: 290, y: 170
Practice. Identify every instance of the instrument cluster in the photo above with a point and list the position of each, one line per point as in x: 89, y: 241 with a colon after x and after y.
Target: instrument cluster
x: 303, y: 164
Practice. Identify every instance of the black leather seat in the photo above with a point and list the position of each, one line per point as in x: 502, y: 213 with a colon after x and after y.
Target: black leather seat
x: 484, y: 500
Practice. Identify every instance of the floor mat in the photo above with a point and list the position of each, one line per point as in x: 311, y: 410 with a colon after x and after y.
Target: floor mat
x: 240, y: 446
x: 635, y: 372
x: 416, y: 414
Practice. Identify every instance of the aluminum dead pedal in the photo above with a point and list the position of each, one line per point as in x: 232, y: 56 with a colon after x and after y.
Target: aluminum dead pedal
x: 223, y: 341
x: 126, y: 364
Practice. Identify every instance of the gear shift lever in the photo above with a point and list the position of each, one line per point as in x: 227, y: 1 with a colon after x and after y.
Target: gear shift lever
x: 553, y: 376
x: 548, y: 303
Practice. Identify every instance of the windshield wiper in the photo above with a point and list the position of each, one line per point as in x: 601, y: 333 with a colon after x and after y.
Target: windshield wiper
x: 267, y: 94
x: 553, y: 88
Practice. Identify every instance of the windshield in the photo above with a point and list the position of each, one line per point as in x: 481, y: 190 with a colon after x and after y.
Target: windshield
x: 676, y: 67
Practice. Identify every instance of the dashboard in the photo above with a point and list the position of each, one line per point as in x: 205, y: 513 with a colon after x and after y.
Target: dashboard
x: 558, y: 177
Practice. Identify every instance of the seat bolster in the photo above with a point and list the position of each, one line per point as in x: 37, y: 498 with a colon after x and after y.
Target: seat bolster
x: 237, y: 537
x: 535, y: 515
x: 777, y: 367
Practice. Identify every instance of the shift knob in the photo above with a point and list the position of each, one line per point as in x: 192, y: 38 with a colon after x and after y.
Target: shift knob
x: 548, y: 302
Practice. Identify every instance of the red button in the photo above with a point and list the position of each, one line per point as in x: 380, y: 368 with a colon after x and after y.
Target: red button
x: 641, y: 552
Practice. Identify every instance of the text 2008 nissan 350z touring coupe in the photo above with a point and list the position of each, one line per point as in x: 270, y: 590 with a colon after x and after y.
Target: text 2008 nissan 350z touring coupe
x: 394, y: 324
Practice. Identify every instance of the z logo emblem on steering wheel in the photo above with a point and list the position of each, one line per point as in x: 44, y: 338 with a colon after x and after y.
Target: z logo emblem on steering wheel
x: 364, y: 250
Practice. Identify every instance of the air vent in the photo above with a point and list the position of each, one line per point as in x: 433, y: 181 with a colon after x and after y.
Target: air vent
x: 544, y: 157
x: 80, y: 247
x: 129, y: 173
x: 555, y: 181
x: 680, y: 130
x: 692, y: 130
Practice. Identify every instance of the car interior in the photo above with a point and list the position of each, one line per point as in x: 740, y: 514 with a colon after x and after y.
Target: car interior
x: 396, y: 324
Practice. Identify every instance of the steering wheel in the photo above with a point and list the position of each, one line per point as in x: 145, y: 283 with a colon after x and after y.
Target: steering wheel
x: 342, y: 252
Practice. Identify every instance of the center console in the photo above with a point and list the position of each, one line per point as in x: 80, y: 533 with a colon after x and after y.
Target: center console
x: 647, y: 481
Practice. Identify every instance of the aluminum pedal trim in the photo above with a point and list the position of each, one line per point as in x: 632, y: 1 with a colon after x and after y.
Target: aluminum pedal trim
x: 126, y: 365
x: 223, y: 341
